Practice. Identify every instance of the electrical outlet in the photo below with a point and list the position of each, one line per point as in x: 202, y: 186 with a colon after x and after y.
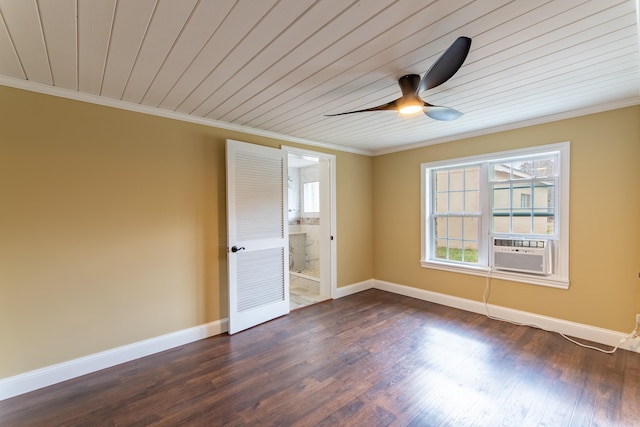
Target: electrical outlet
x: 638, y: 319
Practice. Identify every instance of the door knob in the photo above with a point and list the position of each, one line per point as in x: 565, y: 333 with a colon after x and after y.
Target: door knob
x: 235, y: 249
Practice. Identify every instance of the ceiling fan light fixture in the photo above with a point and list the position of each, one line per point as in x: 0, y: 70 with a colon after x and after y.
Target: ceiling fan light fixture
x: 411, y: 106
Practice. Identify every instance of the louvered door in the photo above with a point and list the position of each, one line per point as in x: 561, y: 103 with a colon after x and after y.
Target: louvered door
x: 258, y: 252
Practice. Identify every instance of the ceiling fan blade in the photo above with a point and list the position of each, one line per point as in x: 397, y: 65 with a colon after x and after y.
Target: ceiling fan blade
x: 442, y: 113
x: 388, y: 106
x: 447, y: 65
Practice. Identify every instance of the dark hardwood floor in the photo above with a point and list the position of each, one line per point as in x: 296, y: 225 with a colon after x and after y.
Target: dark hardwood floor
x: 372, y: 358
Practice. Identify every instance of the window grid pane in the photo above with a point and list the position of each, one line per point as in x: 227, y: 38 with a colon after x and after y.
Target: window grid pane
x: 456, y: 213
x: 523, y: 203
x: 523, y: 194
x: 457, y: 238
x: 457, y: 190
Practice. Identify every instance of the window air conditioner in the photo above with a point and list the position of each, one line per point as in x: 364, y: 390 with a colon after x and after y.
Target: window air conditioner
x: 522, y: 255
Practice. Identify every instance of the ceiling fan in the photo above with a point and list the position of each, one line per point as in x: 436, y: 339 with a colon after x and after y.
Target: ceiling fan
x: 411, y: 85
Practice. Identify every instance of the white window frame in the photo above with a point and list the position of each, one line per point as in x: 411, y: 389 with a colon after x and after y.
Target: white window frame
x: 560, y: 276
x: 311, y: 198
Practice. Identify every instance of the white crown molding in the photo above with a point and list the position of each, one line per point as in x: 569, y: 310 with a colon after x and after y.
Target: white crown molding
x: 138, y: 108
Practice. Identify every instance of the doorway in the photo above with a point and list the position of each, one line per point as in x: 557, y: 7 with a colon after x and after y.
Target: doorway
x: 311, y: 217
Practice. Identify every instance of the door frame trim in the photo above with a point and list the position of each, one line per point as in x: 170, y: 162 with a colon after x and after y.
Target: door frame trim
x: 333, y: 258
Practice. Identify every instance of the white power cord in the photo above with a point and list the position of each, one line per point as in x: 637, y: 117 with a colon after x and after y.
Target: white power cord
x: 485, y: 297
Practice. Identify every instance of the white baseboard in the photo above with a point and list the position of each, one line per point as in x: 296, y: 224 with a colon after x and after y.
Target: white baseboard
x: 354, y: 288
x: 39, y: 378
x: 578, y: 330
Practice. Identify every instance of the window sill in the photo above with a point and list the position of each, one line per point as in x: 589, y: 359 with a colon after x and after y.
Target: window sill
x: 532, y: 279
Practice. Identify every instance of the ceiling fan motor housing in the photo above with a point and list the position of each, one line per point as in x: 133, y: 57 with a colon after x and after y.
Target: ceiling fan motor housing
x: 409, y: 84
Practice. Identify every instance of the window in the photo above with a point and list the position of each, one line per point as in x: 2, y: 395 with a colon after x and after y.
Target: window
x: 523, y: 195
x: 456, y: 213
x: 516, y: 194
x: 311, y: 197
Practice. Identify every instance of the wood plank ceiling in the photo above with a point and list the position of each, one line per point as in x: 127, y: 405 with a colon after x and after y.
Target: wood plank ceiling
x: 277, y: 66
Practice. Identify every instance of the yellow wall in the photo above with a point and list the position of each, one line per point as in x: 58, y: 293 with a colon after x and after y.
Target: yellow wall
x: 604, y: 220
x: 113, y: 227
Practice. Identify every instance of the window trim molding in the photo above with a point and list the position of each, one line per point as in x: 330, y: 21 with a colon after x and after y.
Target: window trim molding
x: 561, y: 277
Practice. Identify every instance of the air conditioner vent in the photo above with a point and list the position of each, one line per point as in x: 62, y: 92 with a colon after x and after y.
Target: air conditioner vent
x: 522, y: 255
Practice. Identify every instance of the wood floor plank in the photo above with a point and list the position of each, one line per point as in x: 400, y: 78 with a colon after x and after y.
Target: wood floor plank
x: 630, y: 409
x: 372, y: 358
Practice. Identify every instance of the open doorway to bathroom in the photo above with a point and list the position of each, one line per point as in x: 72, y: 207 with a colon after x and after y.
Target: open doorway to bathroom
x: 311, y: 215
